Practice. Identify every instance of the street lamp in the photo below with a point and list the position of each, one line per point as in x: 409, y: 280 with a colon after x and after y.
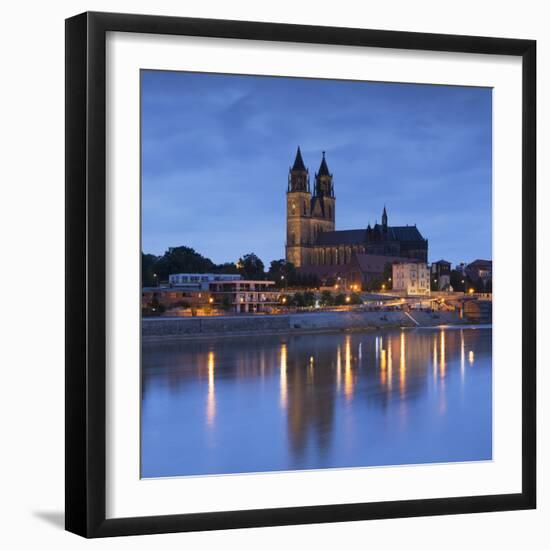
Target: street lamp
x: 283, y: 278
x: 156, y: 279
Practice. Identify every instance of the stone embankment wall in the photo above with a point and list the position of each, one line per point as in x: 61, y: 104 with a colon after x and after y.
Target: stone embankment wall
x: 188, y: 327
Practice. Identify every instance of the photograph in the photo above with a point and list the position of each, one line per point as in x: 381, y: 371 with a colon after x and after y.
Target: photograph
x: 316, y: 274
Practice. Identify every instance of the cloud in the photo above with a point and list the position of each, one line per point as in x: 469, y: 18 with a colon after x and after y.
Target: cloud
x: 216, y: 152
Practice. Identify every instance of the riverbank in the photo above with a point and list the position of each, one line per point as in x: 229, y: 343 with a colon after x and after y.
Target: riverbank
x: 162, y: 328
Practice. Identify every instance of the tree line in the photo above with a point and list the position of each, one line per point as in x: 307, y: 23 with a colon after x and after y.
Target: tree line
x: 183, y: 259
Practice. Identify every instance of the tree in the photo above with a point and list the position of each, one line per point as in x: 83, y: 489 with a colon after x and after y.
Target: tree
x: 251, y: 267
x: 340, y: 299
x: 355, y: 299
x: 298, y: 300
x: 227, y: 267
x: 309, y: 299
x: 148, y: 263
x: 155, y: 307
x: 226, y: 303
x: 373, y: 284
x: 282, y: 272
x: 182, y: 259
x: 327, y: 299
x: 387, y: 276
x: 461, y: 283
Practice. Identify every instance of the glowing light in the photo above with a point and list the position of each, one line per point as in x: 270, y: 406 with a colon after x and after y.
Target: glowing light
x: 390, y: 365
x: 462, y: 356
x: 435, y: 358
x: 383, y: 365
x: 338, y: 369
x: 471, y: 357
x: 442, y: 364
x: 348, y: 375
x: 211, y: 397
x: 402, y: 364
x: 282, y: 376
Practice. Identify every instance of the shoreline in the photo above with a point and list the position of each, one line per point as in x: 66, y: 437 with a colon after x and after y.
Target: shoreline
x: 297, y: 332
x: 198, y: 328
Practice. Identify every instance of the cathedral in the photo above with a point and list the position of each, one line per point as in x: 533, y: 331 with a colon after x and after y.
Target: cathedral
x: 311, y: 235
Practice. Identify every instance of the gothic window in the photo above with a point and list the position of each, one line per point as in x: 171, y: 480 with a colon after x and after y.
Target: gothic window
x: 305, y: 209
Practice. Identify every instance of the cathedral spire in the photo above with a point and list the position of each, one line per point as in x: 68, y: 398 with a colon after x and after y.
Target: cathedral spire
x: 384, y: 219
x: 298, y: 177
x: 323, y: 180
x: 323, y: 169
x: 299, y: 165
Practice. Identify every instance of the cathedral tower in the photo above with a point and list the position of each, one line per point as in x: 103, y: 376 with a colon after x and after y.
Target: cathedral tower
x: 298, y: 214
x: 384, y: 220
x: 323, y: 204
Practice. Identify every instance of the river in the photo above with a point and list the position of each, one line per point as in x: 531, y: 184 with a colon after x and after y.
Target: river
x: 309, y: 401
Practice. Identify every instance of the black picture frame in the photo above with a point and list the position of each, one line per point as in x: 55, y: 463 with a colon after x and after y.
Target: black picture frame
x: 86, y: 279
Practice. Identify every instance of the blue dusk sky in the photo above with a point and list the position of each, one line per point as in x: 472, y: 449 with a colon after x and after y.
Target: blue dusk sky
x: 216, y: 150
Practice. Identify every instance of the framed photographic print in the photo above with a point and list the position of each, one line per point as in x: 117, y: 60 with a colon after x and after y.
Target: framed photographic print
x: 300, y: 274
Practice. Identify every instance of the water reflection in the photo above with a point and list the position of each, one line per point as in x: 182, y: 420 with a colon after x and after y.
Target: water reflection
x: 211, y: 401
x: 283, y: 376
x: 348, y: 376
x: 316, y: 401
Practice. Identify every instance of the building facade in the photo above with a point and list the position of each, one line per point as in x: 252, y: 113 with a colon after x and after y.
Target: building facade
x: 480, y: 270
x: 413, y: 278
x: 171, y: 298
x: 311, y: 235
x: 362, y: 270
x: 199, y: 281
x: 221, y: 291
x: 441, y: 274
x: 245, y: 296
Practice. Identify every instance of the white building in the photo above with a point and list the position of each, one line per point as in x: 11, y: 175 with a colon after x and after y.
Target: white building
x: 411, y: 277
x: 200, y: 281
x: 245, y: 296
x: 229, y: 291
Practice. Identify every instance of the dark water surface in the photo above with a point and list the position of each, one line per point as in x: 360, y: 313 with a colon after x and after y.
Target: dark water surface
x: 264, y: 403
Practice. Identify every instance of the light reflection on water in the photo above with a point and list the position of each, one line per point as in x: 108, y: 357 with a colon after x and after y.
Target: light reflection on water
x: 231, y: 405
